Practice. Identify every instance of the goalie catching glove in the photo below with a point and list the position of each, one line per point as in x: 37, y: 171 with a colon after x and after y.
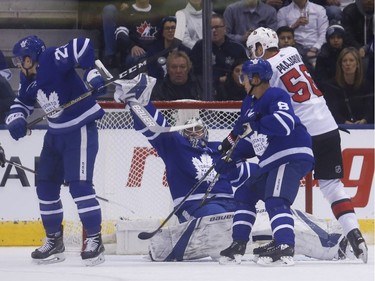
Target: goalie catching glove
x: 138, y: 89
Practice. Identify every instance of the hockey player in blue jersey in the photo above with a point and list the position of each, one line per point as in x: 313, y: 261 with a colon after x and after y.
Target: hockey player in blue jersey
x: 283, y: 148
x: 48, y: 76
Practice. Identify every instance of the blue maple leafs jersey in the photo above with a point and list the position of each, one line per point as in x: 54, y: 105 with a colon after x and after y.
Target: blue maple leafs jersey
x: 185, y: 164
x: 57, y: 83
x: 278, y: 135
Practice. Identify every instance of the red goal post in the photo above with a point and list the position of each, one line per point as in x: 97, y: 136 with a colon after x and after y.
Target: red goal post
x: 130, y: 177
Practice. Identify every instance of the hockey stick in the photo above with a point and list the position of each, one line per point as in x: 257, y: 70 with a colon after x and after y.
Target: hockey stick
x: 178, y: 36
x: 142, y: 113
x: 17, y: 165
x: 226, y: 159
x: 148, y: 235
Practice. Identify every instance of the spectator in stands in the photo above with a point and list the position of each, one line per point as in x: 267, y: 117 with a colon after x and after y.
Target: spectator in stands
x: 286, y: 39
x: 224, y: 52
x: 180, y: 82
x: 164, y: 40
x: 219, y: 6
x: 333, y: 10
x: 358, y: 21
x: 349, y: 96
x: 7, y: 95
x: 277, y: 4
x: 244, y: 16
x: 194, y: 24
x: 110, y: 15
x: 136, y: 32
x: 309, y: 22
x: 326, y: 61
x: 231, y: 88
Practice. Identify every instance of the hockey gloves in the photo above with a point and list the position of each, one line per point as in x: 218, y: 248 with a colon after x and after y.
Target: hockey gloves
x: 2, y: 157
x: 227, y: 143
x: 138, y: 89
x: 96, y: 81
x: 17, y: 125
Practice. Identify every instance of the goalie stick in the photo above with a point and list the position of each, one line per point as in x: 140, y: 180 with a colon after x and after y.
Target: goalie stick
x: 148, y: 235
x: 178, y: 36
x: 142, y: 113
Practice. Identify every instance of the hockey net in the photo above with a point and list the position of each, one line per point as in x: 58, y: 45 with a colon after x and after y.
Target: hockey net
x: 129, y: 176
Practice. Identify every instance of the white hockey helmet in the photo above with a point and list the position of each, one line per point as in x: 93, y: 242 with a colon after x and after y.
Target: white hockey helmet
x: 267, y: 37
x: 198, y: 135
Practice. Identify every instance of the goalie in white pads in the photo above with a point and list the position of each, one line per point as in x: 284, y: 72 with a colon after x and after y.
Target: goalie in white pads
x: 202, y: 234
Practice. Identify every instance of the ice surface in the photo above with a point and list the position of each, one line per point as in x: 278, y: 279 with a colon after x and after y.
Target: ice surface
x: 16, y: 265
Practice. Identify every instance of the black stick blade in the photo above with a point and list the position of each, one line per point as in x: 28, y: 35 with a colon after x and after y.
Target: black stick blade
x: 147, y: 235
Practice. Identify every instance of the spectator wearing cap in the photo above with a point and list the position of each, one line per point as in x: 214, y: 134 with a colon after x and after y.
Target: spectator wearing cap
x: 325, y: 68
x: 6, y: 93
x: 164, y: 40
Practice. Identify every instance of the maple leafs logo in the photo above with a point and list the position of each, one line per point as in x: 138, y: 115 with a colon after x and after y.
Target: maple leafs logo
x: 202, y: 165
x: 146, y: 30
x: 49, y: 104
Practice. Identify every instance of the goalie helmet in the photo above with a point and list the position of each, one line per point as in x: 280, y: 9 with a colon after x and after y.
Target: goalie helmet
x: 30, y: 46
x: 257, y: 66
x: 198, y: 135
x: 266, y: 37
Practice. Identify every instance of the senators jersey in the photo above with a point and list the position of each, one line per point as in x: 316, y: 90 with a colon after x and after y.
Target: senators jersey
x: 291, y: 74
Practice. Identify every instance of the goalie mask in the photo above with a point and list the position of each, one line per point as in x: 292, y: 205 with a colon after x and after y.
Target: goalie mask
x: 198, y: 135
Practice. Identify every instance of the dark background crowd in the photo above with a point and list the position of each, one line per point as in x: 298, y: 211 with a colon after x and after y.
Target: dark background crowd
x: 335, y: 38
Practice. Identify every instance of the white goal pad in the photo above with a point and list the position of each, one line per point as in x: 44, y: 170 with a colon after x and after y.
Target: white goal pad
x: 207, y: 236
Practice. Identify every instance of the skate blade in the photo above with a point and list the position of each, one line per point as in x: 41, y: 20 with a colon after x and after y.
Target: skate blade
x: 283, y: 261
x: 364, y: 255
x: 56, y: 258
x: 227, y: 260
x: 94, y: 261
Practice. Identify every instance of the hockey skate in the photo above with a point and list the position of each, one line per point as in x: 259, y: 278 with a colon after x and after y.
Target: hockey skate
x: 52, y: 251
x: 233, y: 253
x: 358, y: 244
x: 93, y: 249
x: 277, y: 255
x: 264, y: 248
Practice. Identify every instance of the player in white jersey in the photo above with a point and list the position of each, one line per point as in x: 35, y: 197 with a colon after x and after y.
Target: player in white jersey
x: 290, y: 74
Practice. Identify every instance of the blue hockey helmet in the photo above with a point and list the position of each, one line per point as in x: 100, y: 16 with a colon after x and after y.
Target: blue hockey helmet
x: 30, y: 46
x: 198, y: 135
x: 256, y: 66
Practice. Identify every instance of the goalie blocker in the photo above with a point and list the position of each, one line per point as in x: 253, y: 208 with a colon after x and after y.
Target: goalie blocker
x: 207, y: 236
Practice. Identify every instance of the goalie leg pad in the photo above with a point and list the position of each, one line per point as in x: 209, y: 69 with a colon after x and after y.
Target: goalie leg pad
x: 199, y: 238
